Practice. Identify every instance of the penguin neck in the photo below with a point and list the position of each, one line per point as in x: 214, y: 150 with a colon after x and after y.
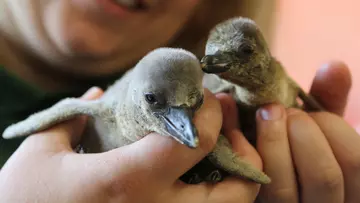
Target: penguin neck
x: 255, y: 79
x: 128, y: 116
x: 266, y: 85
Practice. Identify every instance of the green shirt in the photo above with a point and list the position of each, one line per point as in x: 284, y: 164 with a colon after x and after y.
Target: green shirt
x: 19, y: 100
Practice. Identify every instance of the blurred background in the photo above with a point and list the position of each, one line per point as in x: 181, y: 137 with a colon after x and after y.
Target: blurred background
x: 309, y: 33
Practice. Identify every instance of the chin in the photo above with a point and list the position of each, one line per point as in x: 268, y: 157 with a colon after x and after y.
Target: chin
x: 87, y: 42
x: 83, y: 39
x: 88, y: 50
x: 92, y: 46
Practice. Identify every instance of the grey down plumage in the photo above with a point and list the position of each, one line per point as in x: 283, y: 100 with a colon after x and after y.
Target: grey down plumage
x: 160, y: 94
x: 141, y: 102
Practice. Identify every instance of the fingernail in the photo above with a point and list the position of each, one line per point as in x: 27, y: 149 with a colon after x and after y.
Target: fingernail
x: 271, y: 112
x: 90, y: 92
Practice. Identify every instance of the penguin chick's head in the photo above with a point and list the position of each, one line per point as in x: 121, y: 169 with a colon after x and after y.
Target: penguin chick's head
x: 236, y: 49
x: 168, y: 91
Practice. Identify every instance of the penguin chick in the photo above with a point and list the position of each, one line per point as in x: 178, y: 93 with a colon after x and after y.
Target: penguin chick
x: 238, y: 61
x: 237, y: 52
x: 160, y: 94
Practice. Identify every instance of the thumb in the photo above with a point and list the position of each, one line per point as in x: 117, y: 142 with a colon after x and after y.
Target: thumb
x: 331, y: 87
x: 163, y: 159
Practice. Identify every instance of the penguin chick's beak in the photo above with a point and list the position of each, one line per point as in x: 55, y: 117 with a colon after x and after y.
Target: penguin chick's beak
x: 217, y: 63
x: 179, y: 125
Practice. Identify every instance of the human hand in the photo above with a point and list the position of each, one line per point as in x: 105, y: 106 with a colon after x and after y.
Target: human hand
x: 45, y: 168
x: 312, y: 157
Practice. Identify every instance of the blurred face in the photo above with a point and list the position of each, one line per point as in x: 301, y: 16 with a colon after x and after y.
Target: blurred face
x: 94, y: 36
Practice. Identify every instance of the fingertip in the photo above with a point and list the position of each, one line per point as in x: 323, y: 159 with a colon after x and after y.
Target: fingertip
x: 331, y: 86
x: 271, y: 124
x: 92, y: 93
x: 221, y: 95
x: 337, y: 71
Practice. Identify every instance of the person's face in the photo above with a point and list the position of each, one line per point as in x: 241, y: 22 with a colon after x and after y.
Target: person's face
x: 96, y: 36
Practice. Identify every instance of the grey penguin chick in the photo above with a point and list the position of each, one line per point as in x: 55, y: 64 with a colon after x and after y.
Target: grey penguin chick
x: 160, y: 94
x: 238, y: 61
x: 141, y: 102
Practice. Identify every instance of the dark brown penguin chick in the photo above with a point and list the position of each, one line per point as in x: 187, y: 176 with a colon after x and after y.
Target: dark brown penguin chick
x: 238, y: 61
x: 236, y: 51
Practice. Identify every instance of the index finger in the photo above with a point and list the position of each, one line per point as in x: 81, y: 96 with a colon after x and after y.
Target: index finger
x: 344, y: 142
x: 331, y: 87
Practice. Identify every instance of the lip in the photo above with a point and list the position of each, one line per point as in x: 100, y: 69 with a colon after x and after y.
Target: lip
x: 115, y: 9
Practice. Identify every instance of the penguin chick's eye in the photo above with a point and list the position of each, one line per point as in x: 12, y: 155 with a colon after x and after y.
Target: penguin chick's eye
x: 150, y: 98
x: 246, y: 50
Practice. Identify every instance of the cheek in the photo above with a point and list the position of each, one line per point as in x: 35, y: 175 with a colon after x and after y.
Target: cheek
x: 76, y: 32
x: 68, y: 35
x: 86, y: 32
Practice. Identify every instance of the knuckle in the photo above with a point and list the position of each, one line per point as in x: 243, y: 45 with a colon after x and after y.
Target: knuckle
x: 295, y: 114
x: 299, y: 119
x: 273, y: 135
x: 294, y: 111
x: 330, y: 179
x: 353, y: 163
x: 323, y: 116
